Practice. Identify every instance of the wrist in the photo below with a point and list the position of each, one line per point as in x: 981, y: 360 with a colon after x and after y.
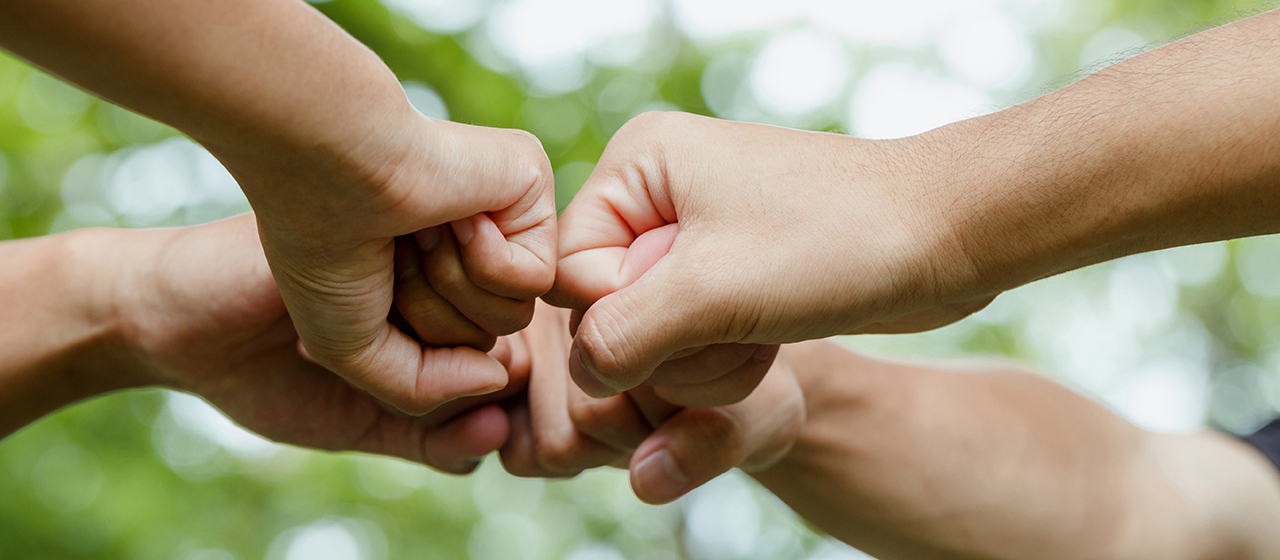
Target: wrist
x: 303, y: 184
x: 929, y: 179
x: 62, y: 341
x: 1216, y: 493
x: 992, y: 199
x: 105, y: 272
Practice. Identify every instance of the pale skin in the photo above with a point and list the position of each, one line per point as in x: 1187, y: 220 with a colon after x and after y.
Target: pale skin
x: 965, y: 461
x: 902, y: 461
x: 196, y: 309
x: 1174, y: 147
x: 768, y: 235
x: 338, y: 166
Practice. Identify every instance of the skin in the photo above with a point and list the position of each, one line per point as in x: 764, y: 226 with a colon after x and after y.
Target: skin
x: 779, y: 235
x: 196, y: 309
x: 966, y: 461
x: 338, y: 166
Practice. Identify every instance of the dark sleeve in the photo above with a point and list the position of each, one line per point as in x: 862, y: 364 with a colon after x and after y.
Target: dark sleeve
x: 1267, y: 440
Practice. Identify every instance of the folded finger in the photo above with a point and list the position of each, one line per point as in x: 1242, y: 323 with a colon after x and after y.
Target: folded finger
x: 447, y: 276
x: 614, y: 421
x: 726, y: 389
x: 710, y: 363
x: 434, y: 320
x: 699, y: 444
x: 454, y: 447
x: 518, y: 266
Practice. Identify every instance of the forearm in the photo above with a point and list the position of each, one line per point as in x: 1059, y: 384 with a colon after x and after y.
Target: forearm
x: 58, y: 335
x: 241, y: 76
x: 1177, y: 146
x: 909, y: 462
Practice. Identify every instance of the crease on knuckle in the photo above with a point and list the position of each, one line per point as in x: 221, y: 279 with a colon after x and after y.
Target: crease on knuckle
x: 555, y: 450
x: 780, y: 444
x: 720, y: 435
x: 591, y: 414
x: 599, y: 341
x: 447, y: 277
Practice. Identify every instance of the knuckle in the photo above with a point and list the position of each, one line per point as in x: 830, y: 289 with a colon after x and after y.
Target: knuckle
x: 652, y: 121
x: 514, y: 318
x: 447, y: 277
x: 526, y: 139
x: 519, y: 464
x: 720, y: 436
x: 556, y: 451
x: 588, y: 414
x: 598, y: 340
x: 492, y: 271
x: 779, y: 445
x: 533, y: 157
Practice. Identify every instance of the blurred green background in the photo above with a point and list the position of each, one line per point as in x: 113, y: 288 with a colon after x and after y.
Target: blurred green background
x: 1174, y: 340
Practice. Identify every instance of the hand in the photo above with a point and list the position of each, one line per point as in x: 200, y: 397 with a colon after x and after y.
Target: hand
x: 783, y: 236
x: 201, y: 313
x: 337, y: 164
x: 987, y: 461
x: 332, y: 228
x: 559, y: 431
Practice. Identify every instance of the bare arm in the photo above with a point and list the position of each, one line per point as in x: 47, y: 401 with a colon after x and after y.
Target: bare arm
x: 989, y: 462
x: 56, y: 332
x: 246, y: 76
x: 337, y: 165
x: 1177, y: 146
x: 195, y: 309
x: 811, y: 235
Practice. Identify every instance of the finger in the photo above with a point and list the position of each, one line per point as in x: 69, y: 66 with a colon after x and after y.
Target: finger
x: 727, y: 389
x: 614, y: 421
x: 434, y: 375
x: 558, y: 446
x: 588, y: 275
x: 475, y: 169
x: 452, y: 410
x: 513, y: 354
x: 625, y: 336
x: 501, y: 265
x: 435, y: 321
x: 454, y: 447
x: 699, y: 444
x: 710, y: 363
x: 625, y: 197
x: 516, y: 190
x: 447, y: 276
x: 518, y: 454
x: 655, y: 409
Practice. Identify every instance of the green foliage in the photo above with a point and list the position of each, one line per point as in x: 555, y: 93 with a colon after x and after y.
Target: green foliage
x: 122, y: 477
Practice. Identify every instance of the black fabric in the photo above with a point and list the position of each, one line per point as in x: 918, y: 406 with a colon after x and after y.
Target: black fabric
x: 1267, y: 440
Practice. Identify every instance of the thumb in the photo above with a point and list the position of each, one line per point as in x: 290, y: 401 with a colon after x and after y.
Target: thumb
x: 698, y: 444
x: 624, y: 336
x: 614, y: 345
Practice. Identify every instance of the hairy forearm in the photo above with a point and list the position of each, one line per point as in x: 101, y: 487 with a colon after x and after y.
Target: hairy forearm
x: 1179, y: 145
x: 58, y: 335
x: 909, y: 462
x: 238, y: 75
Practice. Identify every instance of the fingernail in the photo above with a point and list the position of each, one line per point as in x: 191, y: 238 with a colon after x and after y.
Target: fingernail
x: 464, y: 229
x: 427, y: 239
x: 658, y: 479
x: 585, y: 378
x: 764, y: 352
